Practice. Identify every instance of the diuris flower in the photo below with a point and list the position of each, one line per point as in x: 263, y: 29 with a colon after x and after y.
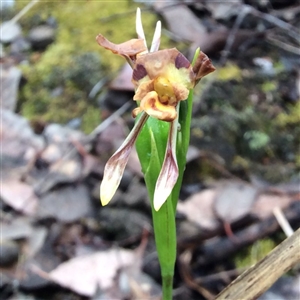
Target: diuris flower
x: 162, y: 79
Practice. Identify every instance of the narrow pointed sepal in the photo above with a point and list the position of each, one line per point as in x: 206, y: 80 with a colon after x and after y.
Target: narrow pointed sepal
x: 169, y: 172
x: 115, y: 166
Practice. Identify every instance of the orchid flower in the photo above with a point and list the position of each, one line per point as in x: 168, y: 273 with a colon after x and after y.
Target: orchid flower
x: 162, y: 78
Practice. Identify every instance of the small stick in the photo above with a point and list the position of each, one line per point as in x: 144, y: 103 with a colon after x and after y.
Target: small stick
x: 283, y: 222
x: 19, y: 15
x: 256, y: 280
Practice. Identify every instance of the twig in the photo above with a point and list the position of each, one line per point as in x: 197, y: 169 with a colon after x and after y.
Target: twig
x: 246, y: 9
x: 288, y: 28
x: 102, y: 126
x: 183, y: 266
x: 18, y: 16
x: 284, y: 46
x: 282, y: 221
x: 223, y: 275
x: 256, y: 280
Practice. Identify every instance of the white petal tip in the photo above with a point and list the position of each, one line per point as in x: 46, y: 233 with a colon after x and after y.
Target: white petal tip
x: 105, y: 197
x: 108, y: 189
x: 160, y: 197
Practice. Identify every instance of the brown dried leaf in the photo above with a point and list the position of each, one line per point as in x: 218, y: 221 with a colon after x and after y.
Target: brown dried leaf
x: 200, y: 210
x: 123, y: 80
x: 265, y: 203
x: 189, y: 26
x: 235, y: 200
x: 19, y: 196
x: 84, y: 274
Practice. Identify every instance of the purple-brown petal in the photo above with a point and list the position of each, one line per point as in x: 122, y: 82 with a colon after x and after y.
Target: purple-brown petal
x: 181, y: 61
x: 139, y: 72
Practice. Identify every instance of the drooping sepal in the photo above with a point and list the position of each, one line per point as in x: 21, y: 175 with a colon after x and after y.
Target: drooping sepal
x: 169, y: 171
x: 115, y: 166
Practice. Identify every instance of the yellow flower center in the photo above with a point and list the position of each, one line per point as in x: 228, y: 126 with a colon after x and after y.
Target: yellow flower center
x: 164, y: 90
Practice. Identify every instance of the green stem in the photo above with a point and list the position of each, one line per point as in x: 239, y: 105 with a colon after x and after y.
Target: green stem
x: 165, y: 238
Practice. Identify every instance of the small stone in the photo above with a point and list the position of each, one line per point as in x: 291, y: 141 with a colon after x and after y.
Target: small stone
x: 10, y: 79
x: 9, y: 253
x: 9, y: 31
x: 19, y: 45
x: 7, y: 4
x: 66, y: 204
x: 2, y: 52
x: 41, y: 36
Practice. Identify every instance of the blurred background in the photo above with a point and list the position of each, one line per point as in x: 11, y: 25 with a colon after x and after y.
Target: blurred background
x: 66, y: 107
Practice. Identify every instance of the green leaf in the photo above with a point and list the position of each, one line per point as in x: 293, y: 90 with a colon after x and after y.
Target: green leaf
x: 151, y: 146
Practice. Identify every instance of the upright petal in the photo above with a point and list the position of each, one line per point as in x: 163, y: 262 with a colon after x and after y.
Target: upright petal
x: 115, y: 166
x: 156, y: 38
x: 139, y: 27
x: 169, y: 172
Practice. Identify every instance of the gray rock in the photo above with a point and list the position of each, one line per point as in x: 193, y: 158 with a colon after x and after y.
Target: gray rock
x: 9, y: 31
x: 66, y: 204
x: 41, y: 36
x: 2, y: 52
x: 7, y: 4
x: 9, y: 253
x: 19, y: 144
x: 10, y: 77
x: 19, y: 45
x: 122, y: 223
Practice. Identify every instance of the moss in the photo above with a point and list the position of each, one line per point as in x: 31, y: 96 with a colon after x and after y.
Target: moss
x: 254, y: 253
x: 289, y: 117
x: 269, y: 86
x: 229, y: 72
x: 90, y: 119
x: 60, y: 79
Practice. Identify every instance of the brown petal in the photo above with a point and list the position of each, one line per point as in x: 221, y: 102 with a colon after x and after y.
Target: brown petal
x: 181, y: 92
x: 154, y: 108
x: 128, y: 49
x: 169, y: 63
x: 202, y: 66
x: 143, y: 89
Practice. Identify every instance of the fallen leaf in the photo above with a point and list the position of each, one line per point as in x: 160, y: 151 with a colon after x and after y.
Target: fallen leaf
x: 265, y: 203
x: 199, y: 208
x: 123, y: 80
x: 234, y: 200
x: 84, y: 274
x: 19, y: 196
x: 66, y: 204
x: 189, y: 27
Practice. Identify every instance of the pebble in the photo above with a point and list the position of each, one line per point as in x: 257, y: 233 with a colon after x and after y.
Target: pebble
x: 9, y: 253
x: 9, y: 31
x: 41, y: 36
